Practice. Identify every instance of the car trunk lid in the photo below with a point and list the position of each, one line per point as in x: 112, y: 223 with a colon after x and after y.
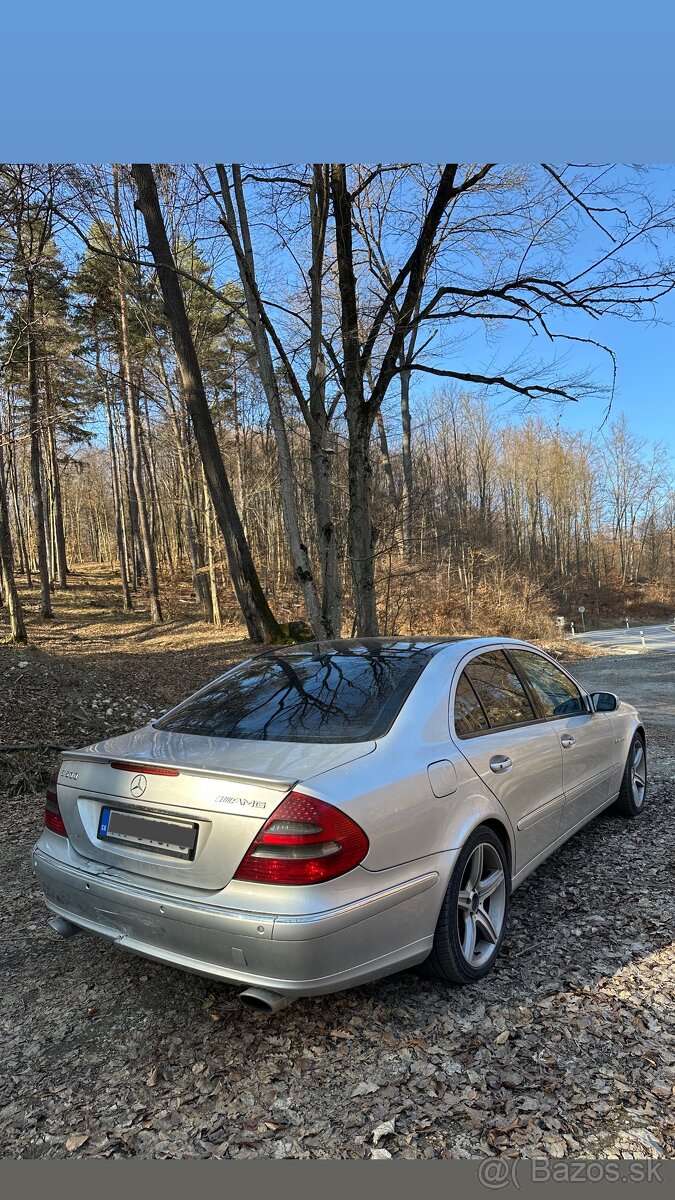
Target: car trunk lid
x: 181, y: 808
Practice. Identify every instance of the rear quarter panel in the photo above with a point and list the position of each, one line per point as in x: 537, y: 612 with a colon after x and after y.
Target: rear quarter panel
x: 389, y: 793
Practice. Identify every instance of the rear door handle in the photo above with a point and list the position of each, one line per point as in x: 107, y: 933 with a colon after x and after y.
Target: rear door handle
x: 500, y: 763
x: 566, y: 741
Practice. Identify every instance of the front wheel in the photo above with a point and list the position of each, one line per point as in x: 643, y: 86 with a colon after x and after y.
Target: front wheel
x: 472, y: 919
x: 631, y: 799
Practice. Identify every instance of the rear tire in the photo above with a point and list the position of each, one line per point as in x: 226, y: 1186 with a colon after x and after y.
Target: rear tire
x: 631, y: 799
x: 472, y: 920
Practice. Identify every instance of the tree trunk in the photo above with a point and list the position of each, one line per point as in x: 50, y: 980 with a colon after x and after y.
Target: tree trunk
x: 215, y: 616
x: 203, y: 592
x: 24, y: 554
x: 322, y: 456
x: 147, y: 544
x: 117, y: 504
x: 35, y: 452
x: 59, y: 534
x: 241, y: 241
x: 135, y: 433
x: 17, y: 628
x: 386, y: 459
x: 322, y: 453
x: 147, y: 442
x: 406, y: 459
x: 260, y: 621
x: 135, y: 559
x: 361, y: 534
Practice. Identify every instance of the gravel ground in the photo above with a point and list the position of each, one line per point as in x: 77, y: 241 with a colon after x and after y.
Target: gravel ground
x: 566, y: 1049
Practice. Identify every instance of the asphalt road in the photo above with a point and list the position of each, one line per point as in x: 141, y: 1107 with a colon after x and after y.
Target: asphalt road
x: 627, y: 641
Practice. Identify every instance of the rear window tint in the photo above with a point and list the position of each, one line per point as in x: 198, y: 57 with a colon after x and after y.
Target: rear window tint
x: 469, y: 716
x: 499, y: 689
x: 348, y: 695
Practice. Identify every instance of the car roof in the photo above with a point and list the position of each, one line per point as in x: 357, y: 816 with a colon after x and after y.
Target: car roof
x: 400, y: 646
x: 427, y: 647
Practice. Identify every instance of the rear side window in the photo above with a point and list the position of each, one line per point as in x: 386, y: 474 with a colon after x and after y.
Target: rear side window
x: 349, y: 695
x: 502, y: 695
x: 469, y: 716
x: 558, y: 696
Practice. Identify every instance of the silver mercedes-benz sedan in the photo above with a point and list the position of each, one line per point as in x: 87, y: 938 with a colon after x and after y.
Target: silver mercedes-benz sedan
x: 323, y: 815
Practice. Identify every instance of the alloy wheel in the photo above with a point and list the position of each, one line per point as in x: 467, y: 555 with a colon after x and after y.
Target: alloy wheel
x: 481, y: 905
x: 638, y: 774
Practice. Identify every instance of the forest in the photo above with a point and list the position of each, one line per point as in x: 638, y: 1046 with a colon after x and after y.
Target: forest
x: 328, y: 400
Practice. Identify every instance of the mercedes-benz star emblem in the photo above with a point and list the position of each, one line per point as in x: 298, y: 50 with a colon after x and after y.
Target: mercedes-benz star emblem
x: 138, y: 785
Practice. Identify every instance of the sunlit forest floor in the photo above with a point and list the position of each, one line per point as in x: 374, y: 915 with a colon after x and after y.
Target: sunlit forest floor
x: 95, y: 670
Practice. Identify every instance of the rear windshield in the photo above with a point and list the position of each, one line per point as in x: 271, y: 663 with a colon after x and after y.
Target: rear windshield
x: 350, y: 695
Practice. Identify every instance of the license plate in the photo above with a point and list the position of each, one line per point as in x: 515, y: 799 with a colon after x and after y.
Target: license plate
x: 176, y: 838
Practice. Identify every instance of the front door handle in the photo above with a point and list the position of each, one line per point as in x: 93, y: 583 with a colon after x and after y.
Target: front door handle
x: 500, y: 763
x: 566, y: 741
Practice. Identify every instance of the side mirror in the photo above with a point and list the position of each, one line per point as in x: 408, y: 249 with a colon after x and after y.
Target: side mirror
x: 604, y: 701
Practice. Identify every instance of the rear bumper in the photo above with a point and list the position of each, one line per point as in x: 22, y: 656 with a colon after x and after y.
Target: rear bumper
x: 295, y: 955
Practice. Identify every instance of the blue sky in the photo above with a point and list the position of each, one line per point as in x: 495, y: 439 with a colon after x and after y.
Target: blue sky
x: 361, y: 80
x: 645, y: 389
x: 645, y: 383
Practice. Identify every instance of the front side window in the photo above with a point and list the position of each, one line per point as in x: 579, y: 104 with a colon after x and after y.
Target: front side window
x: 502, y: 695
x: 558, y: 695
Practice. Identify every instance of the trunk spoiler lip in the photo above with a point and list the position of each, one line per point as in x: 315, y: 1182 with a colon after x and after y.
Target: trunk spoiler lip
x: 264, y: 781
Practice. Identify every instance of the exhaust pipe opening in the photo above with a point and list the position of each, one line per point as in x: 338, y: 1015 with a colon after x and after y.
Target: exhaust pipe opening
x: 63, y: 927
x: 263, y: 1001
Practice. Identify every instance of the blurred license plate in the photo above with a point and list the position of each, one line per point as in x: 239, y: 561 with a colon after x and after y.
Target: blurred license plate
x: 177, y: 838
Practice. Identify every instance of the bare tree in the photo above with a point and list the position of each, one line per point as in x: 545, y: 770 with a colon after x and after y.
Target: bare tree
x: 17, y: 627
x: 29, y: 215
x: 324, y: 604
x: 134, y: 419
x: 260, y: 621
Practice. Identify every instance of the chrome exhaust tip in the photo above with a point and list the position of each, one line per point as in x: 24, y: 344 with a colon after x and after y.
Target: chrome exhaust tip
x: 63, y: 927
x: 264, y: 1001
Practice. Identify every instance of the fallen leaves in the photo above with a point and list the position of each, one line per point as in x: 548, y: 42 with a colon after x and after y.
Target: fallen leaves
x: 364, y: 1088
x: 383, y: 1130
x: 76, y: 1141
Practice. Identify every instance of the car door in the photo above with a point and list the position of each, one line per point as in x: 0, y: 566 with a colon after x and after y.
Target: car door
x: 587, y: 738
x: 515, y: 752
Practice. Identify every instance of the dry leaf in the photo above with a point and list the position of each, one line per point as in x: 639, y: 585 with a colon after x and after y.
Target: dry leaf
x: 382, y: 1130
x: 76, y: 1140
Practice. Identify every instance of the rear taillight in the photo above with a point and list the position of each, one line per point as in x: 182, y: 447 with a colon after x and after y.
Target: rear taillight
x: 53, y: 818
x: 140, y: 768
x: 304, y: 841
